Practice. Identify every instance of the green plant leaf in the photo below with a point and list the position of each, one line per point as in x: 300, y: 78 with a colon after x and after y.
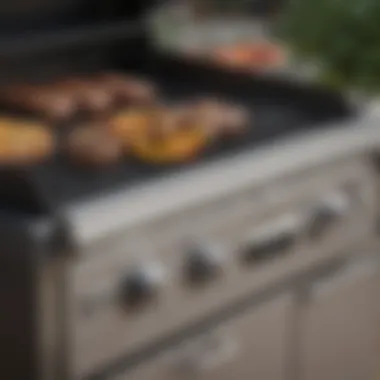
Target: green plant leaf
x: 343, y: 34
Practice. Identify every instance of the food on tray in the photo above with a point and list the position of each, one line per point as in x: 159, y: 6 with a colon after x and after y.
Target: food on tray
x: 236, y: 120
x: 39, y: 100
x: 24, y: 142
x: 179, y: 146
x: 87, y: 95
x: 127, y: 90
x: 131, y: 124
x: 93, y: 146
x: 144, y: 128
x: 164, y: 134
x: 256, y: 56
x: 159, y: 135
x: 169, y: 120
x: 221, y: 119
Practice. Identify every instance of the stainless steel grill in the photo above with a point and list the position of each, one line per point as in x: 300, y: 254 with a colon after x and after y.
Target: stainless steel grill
x: 254, y: 262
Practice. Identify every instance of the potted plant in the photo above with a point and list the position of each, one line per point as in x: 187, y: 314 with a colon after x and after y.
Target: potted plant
x: 343, y: 36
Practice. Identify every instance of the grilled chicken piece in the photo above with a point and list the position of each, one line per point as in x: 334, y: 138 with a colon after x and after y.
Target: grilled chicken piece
x: 159, y: 135
x: 130, y: 125
x: 24, y: 143
x: 179, y: 146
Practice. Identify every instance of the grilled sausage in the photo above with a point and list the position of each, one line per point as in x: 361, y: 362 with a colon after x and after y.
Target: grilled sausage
x: 88, y: 96
x: 93, y: 146
x: 126, y: 90
x: 39, y: 100
x: 24, y: 143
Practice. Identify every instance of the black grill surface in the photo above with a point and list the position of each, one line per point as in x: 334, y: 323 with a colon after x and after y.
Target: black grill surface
x: 279, y: 108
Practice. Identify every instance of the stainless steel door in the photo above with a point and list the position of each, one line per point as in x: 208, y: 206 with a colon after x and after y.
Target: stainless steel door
x: 341, y: 325
x: 252, y: 346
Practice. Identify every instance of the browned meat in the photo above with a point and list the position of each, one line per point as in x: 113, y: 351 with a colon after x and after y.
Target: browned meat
x: 127, y: 90
x: 221, y: 119
x: 88, y: 96
x: 39, y: 100
x: 93, y: 146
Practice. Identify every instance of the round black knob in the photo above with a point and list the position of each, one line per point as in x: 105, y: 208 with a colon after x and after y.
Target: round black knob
x: 140, y: 286
x: 203, y: 263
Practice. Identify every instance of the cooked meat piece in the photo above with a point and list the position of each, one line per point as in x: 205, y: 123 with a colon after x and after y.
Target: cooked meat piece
x: 40, y: 100
x: 159, y: 135
x: 89, y: 96
x: 166, y: 121
x: 155, y: 123
x: 235, y: 120
x: 127, y: 90
x: 209, y: 114
x: 131, y: 125
x: 139, y: 92
x: 24, y: 143
x: 220, y: 119
x: 250, y: 56
x: 93, y: 146
x: 180, y: 146
x: 177, y: 119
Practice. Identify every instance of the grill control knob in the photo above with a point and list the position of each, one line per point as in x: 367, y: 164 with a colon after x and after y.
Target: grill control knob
x: 328, y: 214
x: 141, y: 285
x: 203, y: 262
